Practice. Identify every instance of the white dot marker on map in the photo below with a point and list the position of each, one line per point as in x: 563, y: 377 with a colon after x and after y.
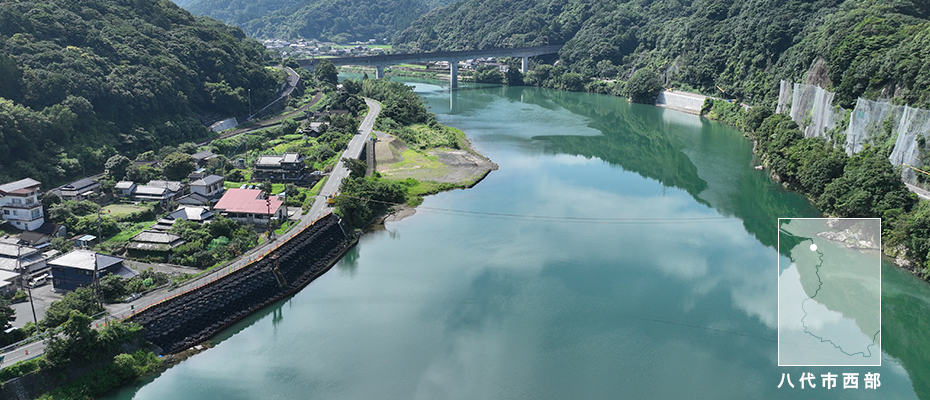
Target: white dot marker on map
x: 813, y: 247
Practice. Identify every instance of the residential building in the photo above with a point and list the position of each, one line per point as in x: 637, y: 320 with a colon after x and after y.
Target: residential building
x: 200, y: 214
x: 204, y: 157
x: 156, y: 244
x: 210, y: 186
x: 9, y: 282
x: 22, y: 259
x: 81, y: 189
x: 193, y: 199
x: 288, y: 168
x: 19, y: 202
x: 176, y: 188
x: 250, y: 206
x: 77, y: 268
x: 82, y: 241
x: 125, y: 188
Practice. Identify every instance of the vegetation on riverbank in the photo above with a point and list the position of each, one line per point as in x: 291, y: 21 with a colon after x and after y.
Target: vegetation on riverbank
x: 83, y: 363
x: 865, y: 185
x: 405, y: 117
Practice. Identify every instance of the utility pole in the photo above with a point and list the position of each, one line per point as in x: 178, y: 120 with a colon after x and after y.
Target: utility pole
x: 19, y: 265
x: 250, y: 103
x: 99, y: 240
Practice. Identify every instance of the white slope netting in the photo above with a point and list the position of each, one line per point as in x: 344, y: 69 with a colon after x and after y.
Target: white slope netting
x: 902, y: 129
x: 812, y: 108
x: 784, y: 97
x: 913, y: 129
x: 872, y: 123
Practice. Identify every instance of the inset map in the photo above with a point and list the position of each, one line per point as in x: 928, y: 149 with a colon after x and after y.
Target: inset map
x: 829, y: 292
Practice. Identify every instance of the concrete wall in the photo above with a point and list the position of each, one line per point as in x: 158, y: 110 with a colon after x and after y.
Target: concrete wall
x: 190, y: 318
x: 224, y: 125
x: 689, y: 103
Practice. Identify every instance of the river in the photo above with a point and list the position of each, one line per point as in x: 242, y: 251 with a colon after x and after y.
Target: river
x: 620, y: 251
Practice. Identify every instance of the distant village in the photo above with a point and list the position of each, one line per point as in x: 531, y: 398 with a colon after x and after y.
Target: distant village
x: 302, y: 48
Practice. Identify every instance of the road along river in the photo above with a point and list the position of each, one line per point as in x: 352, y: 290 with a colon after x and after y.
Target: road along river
x: 620, y: 251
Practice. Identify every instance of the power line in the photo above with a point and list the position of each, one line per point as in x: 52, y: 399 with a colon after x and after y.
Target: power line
x: 583, y: 220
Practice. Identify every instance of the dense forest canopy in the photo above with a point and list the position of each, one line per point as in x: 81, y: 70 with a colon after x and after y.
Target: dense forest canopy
x: 740, y: 47
x: 83, y: 79
x: 339, y: 21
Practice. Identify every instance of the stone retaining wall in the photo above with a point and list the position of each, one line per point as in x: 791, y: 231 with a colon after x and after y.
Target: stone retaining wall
x: 190, y: 318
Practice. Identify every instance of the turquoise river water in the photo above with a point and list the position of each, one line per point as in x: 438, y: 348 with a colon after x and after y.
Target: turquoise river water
x: 620, y: 251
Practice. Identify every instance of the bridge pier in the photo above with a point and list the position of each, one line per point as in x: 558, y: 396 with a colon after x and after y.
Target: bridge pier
x: 526, y: 65
x: 454, y: 73
x: 379, y: 71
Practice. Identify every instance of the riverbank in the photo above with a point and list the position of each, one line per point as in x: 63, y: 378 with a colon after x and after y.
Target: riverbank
x: 864, y: 185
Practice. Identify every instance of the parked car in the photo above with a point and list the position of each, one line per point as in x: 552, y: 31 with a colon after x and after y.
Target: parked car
x: 132, y: 297
x: 39, y: 281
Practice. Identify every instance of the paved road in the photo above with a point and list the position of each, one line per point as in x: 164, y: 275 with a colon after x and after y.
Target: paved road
x: 318, y: 209
x: 354, y: 150
x: 923, y: 194
x: 293, y: 78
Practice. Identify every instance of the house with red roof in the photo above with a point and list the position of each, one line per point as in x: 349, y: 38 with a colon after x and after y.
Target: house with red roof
x: 250, y: 206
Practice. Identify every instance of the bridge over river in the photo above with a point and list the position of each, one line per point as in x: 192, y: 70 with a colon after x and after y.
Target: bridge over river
x: 381, y: 61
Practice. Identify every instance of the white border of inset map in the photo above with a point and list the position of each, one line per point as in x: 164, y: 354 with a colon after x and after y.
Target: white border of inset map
x: 778, y: 294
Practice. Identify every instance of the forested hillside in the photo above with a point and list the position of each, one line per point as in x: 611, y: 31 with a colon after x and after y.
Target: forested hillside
x: 82, y: 79
x: 742, y: 47
x: 339, y: 21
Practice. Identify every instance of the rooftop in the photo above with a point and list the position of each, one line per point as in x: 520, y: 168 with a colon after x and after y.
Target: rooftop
x: 192, y: 213
x: 84, y: 259
x: 248, y: 201
x: 22, y: 186
x: 203, y: 155
x: 208, y: 180
x: 7, y: 276
x: 124, y: 185
x: 173, y: 186
x: 80, y: 184
x: 274, y: 161
x: 11, y: 250
x: 155, y: 237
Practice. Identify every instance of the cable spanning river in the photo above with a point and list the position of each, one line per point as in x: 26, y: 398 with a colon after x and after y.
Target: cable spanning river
x: 620, y: 251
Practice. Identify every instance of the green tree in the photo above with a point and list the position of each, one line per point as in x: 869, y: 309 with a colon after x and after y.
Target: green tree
x: 267, y: 188
x: 325, y: 72
x: 352, y: 86
x: 82, y: 300
x: 116, y: 167
x: 513, y: 77
x: 178, y: 165
x: 78, y: 341
x: 112, y: 288
x: 644, y: 86
x: 356, y: 167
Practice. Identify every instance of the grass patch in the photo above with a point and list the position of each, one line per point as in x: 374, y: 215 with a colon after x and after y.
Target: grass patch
x: 315, y: 190
x: 127, y: 234
x: 285, y: 227
x: 412, y: 66
x: 123, y: 210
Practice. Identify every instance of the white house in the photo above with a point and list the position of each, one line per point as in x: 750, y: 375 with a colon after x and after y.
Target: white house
x: 19, y: 202
x: 209, y: 186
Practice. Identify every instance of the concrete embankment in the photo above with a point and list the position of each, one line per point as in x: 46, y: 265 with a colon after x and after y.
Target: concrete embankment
x: 681, y: 101
x: 190, y: 318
